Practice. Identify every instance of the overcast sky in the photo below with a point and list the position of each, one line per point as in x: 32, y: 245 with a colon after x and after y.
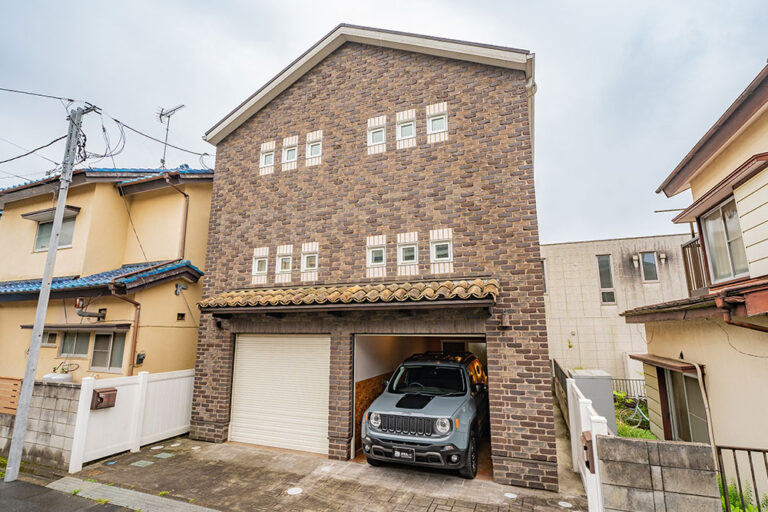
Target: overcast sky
x: 624, y: 88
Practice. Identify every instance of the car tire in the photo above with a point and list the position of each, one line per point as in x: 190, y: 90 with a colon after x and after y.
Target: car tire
x: 469, y: 471
x: 373, y: 462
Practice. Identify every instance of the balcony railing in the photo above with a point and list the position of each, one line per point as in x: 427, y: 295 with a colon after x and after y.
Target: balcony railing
x: 743, y: 478
x: 694, y: 268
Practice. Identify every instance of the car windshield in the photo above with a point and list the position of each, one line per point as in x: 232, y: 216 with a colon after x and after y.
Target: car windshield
x: 428, y: 380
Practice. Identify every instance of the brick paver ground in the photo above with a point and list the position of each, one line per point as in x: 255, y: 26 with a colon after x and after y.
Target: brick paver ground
x: 247, y: 478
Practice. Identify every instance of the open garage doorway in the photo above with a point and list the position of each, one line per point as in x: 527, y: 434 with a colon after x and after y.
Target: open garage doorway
x: 376, y: 357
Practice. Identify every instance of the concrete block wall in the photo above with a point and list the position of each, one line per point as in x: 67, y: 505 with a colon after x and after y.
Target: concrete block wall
x: 641, y: 475
x: 51, y: 425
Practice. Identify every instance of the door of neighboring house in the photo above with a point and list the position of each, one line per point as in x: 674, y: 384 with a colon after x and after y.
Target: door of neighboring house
x: 280, y: 391
x: 687, y: 413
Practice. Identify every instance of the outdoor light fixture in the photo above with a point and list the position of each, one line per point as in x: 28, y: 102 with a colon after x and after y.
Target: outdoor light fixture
x: 506, y: 319
x: 636, y: 260
x: 663, y: 257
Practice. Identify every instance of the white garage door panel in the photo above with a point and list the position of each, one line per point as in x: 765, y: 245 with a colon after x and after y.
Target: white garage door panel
x: 280, y: 392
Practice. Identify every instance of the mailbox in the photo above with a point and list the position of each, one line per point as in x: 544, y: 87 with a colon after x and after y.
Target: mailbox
x: 586, y: 443
x: 103, y: 398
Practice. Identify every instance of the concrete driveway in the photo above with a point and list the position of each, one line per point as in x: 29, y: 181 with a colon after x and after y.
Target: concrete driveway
x: 247, y: 478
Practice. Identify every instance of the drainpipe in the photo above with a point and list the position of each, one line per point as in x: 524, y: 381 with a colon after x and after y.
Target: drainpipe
x: 726, y: 307
x: 137, y: 315
x: 705, y: 398
x: 135, y: 334
x: 183, y: 241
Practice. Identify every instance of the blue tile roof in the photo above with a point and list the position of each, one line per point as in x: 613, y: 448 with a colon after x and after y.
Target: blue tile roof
x: 175, y: 171
x: 95, y: 280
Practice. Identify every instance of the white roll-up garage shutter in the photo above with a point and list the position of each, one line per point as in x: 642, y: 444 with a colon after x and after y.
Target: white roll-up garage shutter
x: 280, y: 391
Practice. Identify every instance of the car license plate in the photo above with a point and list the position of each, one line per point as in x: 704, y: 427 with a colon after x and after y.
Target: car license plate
x: 404, y: 454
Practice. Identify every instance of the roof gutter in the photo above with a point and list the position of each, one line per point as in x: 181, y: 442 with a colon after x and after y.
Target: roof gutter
x: 726, y: 304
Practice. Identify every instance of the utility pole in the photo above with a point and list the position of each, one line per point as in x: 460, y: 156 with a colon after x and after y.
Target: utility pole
x: 28, y: 385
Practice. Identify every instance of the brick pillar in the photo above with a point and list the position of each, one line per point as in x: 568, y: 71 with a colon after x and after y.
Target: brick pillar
x: 341, y: 397
x: 213, y: 381
x: 523, y: 446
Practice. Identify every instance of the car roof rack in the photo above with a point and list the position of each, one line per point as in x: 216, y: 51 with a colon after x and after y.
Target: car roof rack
x: 446, y: 357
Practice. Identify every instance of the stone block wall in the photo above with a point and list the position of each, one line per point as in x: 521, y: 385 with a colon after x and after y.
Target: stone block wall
x: 51, y: 425
x: 639, y: 475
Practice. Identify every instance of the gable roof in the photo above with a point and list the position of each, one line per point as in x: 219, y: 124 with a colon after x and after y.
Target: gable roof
x: 500, y: 56
x: 126, y: 279
x: 735, y: 119
x: 103, y: 174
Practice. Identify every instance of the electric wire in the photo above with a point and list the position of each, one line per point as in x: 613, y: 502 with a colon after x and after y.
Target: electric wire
x: 26, y: 149
x: 29, y: 93
x: 33, y: 150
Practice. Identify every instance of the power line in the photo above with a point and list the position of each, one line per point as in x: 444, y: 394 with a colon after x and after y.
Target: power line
x: 34, y: 150
x: 25, y: 149
x: 154, y: 139
x: 29, y: 93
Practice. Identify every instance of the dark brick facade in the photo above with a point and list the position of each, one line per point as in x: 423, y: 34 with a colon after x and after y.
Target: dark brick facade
x: 479, y: 183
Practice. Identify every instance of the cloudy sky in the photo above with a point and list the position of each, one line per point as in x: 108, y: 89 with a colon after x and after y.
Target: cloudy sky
x: 625, y: 88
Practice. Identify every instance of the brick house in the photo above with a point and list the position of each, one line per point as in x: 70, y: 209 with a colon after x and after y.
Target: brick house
x: 375, y: 199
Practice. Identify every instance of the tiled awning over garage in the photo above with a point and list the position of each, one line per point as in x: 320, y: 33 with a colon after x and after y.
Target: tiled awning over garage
x: 460, y: 293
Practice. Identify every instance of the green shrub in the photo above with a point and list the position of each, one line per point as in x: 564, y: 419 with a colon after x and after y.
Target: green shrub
x: 624, y: 430
x: 734, y: 498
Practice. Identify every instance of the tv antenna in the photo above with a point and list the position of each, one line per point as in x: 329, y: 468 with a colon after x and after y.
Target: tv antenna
x: 164, y: 116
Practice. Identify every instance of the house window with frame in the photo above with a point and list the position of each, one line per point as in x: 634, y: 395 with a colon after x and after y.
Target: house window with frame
x: 259, y: 266
x: 687, y: 413
x: 108, y: 351
x: 290, y: 154
x: 43, y: 237
x: 607, y: 292
x: 284, y: 264
x: 437, y: 124
x: 268, y: 159
x: 75, y: 344
x: 49, y: 339
x: 309, y: 262
x: 726, y: 254
x: 406, y: 130
x: 407, y: 254
x: 441, y: 251
x: 314, y: 149
x: 376, y: 256
x: 649, y: 267
x: 377, y: 136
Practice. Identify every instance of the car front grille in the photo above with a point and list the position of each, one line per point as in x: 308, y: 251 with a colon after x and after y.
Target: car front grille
x: 408, y: 425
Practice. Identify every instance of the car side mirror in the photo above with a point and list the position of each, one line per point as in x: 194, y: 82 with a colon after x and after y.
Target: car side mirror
x: 479, y: 387
x: 385, y: 382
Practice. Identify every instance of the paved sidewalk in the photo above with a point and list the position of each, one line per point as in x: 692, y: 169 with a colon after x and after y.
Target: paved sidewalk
x: 22, y: 496
x: 133, y: 500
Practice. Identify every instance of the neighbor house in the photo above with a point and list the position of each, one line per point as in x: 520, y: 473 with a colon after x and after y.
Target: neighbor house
x: 375, y: 199
x: 588, y: 285
x: 707, y: 363
x: 127, y: 274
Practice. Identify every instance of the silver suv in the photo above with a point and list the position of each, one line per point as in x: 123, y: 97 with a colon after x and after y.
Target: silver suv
x: 431, y: 413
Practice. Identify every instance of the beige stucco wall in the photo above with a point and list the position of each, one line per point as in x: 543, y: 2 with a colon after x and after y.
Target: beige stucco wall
x: 752, y: 140
x: 582, y: 332
x: 169, y: 344
x: 736, y: 373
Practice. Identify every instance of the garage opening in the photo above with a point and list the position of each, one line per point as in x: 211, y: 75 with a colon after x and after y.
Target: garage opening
x: 376, y: 357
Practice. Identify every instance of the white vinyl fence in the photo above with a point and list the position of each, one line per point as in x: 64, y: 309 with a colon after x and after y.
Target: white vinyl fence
x: 148, y: 408
x: 584, y: 418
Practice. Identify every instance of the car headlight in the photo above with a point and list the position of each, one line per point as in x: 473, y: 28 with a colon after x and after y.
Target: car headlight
x: 443, y: 425
x: 374, y: 419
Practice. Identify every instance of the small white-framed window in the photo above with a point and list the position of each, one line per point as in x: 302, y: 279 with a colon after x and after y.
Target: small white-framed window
x: 649, y: 267
x: 377, y: 136
x: 259, y: 266
x: 607, y: 292
x: 407, y: 254
x: 726, y: 254
x: 290, y: 154
x: 75, y: 344
x: 406, y: 130
x: 108, y: 351
x: 376, y: 256
x: 267, y: 158
x: 284, y: 264
x: 49, y: 339
x: 44, y: 229
x: 309, y: 262
x: 441, y: 251
x: 314, y: 149
x: 437, y: 124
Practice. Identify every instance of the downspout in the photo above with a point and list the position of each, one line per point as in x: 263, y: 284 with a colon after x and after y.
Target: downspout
x: 183, y: 242
x: 705, y: 398
x: 137, y: 315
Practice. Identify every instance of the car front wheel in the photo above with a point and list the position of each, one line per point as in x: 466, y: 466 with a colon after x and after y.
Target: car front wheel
x: 470, y: 460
